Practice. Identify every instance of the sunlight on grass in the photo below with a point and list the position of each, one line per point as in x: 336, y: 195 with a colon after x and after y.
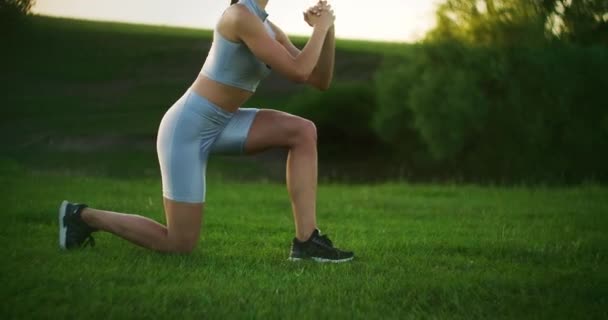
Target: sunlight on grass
x: 423, y: 251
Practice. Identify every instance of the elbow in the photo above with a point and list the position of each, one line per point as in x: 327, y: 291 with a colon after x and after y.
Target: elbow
x: 324, y: 86
x: 300, y: 77
x: 300, y: 74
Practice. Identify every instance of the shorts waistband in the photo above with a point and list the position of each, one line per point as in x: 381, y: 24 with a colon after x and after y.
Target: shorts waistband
x: 198, y: 99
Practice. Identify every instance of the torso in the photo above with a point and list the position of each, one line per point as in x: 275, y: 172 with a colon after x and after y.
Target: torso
x: 225, y: 96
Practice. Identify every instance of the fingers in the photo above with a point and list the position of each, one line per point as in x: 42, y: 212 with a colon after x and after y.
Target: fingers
x: 319, y: 8
x: 307, y: 19
x: 322, y: 10
x: 315, y: 11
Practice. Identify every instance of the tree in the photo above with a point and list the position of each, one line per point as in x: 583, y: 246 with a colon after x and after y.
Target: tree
x: 513, y: 22
x: 492, y: 22
x: 581, y: 21
x: 503, y: 89
x: 11, y: 10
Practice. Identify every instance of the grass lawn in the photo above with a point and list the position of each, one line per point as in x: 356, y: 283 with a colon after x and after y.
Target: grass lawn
x: 423, y: 251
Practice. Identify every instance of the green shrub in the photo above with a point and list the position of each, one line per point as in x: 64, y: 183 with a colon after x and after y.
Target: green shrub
x: 342, y: 114
x: 393, y: 120
x: 498, y: 113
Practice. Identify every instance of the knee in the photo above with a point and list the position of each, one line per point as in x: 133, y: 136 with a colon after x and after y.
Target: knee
x: 305, y: 133
x: 183, y: 246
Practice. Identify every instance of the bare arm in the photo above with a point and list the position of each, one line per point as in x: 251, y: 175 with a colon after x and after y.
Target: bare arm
x: 323, y: 72
x: 299, y: 68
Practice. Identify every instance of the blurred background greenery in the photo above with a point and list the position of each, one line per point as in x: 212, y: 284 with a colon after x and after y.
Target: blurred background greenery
x: 507, y: 91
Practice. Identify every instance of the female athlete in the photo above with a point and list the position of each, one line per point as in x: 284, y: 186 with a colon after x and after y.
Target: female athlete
x: 209, y: 119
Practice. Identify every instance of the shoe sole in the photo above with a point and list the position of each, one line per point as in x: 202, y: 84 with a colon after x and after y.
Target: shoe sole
x: 62, y: 229
x: 321, y: 260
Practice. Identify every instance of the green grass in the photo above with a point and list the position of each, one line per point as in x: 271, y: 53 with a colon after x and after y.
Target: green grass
x: 423, y: 251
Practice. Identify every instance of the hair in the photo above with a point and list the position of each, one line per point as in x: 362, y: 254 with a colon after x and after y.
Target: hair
x: 233, y: 2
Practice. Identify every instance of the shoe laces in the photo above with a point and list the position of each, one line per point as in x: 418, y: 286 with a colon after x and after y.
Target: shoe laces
x: 326, y: 240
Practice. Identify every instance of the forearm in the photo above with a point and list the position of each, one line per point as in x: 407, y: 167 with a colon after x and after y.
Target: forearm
x: 309, y: 57
x: 324, y: 70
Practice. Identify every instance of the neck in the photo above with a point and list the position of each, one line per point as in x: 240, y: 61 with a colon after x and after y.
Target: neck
x: 262, y: 3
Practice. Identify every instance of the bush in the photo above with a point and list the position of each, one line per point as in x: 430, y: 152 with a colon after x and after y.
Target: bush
x: 513, y: 113
x: 393, y: 120
x: 342, y: 115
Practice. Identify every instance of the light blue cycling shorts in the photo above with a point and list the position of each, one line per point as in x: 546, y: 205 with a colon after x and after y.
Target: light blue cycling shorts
x: 192, y: 129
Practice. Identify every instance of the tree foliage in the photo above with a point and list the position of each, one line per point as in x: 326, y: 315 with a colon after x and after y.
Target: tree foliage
x: 12, y: 9
x: 582, y: 21
x: 493, y: 22
x: 488, y: 113
x: 503, y: 89
x: 500, y: 22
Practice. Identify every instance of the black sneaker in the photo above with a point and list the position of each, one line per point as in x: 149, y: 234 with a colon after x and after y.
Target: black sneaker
x: 318, y: 248
x: 73, y: 231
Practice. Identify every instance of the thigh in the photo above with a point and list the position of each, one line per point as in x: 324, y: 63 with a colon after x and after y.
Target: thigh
x: 182, y: 164
x: 185, y: 135
x: 272, y: 128
x: 233, y: 136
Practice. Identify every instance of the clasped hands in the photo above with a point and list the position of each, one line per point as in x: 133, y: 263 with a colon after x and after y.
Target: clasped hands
x: 320, y: 15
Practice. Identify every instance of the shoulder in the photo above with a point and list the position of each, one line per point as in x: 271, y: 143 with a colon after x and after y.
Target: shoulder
x: 235, y: 20
x: 237, y: 14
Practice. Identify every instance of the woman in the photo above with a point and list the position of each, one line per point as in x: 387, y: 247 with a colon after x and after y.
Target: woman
x: 208, y: 119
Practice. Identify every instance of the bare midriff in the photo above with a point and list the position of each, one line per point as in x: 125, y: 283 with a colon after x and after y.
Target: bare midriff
x: 227, y: 97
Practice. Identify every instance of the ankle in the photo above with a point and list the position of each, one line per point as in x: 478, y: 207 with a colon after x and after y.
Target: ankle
x: 303, y: 236
x: 88, y: 217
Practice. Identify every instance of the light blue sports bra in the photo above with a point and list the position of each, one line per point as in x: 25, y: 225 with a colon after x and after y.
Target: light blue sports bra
x: 232, y: 63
